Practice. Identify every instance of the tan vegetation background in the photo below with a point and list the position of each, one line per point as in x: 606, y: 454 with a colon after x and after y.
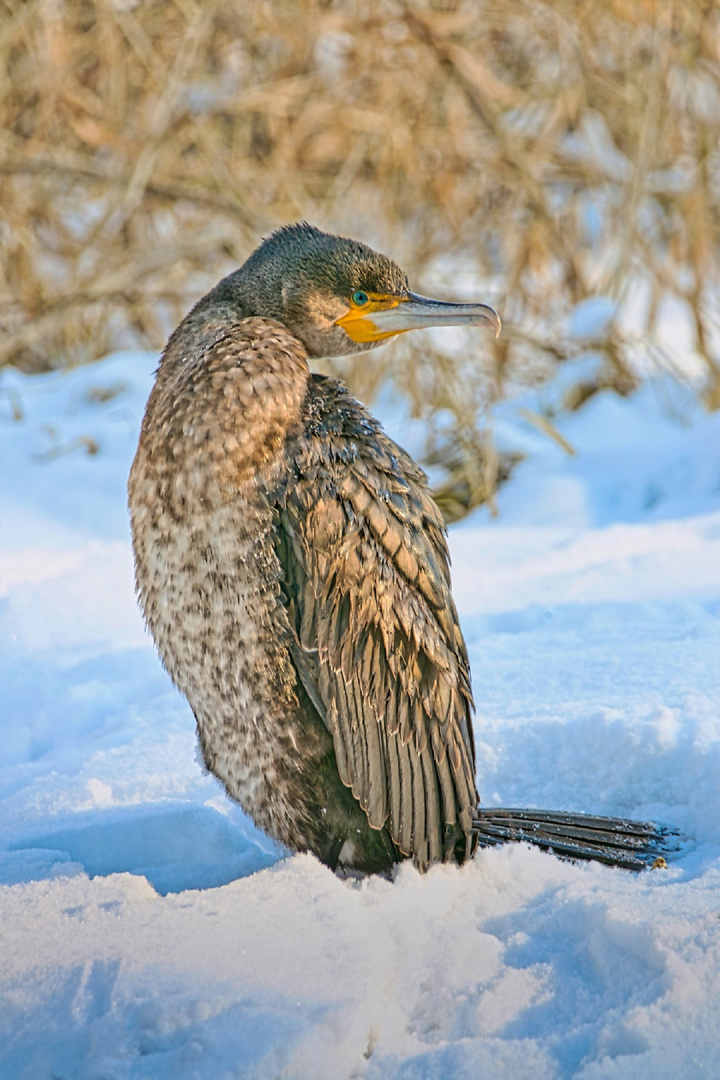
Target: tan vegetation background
x: 533, y: 154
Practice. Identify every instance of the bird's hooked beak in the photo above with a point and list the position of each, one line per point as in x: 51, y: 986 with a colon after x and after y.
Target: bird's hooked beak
x: 383, y: 316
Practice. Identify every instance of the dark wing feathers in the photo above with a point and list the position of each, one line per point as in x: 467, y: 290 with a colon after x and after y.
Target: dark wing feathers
x: 378, y: 646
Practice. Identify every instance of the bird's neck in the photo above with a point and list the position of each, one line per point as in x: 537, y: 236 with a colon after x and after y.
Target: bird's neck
x: 226, y: 398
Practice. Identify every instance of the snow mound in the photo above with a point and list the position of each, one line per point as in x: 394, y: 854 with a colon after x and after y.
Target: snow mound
x: 149, y: 930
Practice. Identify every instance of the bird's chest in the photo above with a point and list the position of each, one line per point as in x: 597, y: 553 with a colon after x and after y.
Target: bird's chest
x: 208, y: 580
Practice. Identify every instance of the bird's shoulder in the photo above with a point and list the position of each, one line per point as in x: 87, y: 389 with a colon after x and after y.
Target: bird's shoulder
x: 226, y: 394
x: 212, y: 342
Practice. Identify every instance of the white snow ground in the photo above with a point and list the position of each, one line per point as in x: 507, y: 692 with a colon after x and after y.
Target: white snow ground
x: 147, y: 930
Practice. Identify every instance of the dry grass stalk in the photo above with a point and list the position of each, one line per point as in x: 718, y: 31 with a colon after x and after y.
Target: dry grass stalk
x: 557, y: 149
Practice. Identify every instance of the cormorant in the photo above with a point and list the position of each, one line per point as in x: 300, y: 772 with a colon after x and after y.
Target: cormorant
x: 293, y: 570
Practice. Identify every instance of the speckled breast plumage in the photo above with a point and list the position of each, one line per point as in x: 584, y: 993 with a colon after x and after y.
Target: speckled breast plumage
x: 207, y: 573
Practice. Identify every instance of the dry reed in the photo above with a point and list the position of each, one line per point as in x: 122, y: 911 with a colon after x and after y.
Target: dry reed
x: 552, y: 150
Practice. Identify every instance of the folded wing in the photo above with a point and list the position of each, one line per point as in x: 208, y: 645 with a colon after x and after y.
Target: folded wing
x: 377, y: 643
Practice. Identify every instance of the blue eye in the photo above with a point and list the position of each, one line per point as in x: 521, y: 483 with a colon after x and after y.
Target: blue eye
x: 360, y: 298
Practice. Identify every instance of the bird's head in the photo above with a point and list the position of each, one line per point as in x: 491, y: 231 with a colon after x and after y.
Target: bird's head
x: 336, y: 295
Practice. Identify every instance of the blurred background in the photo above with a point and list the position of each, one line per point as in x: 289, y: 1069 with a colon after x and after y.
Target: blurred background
x: 558, y: 160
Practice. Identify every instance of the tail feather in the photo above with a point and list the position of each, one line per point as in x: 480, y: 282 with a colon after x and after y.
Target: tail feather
x: 633, y: 845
